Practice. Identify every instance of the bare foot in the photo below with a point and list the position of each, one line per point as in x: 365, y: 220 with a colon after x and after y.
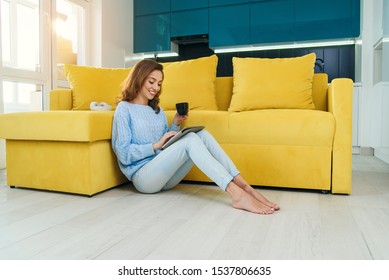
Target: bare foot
x: 242, y: 200
x: 238, y: 180
x: 258, y: 196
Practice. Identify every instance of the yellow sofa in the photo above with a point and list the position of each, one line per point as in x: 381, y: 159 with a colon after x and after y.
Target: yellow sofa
x: 291, y: 148
x: 70, y: 151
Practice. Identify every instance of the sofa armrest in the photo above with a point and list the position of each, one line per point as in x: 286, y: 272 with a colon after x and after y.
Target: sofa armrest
x: 64, y: 126
x: 340, y: 93
x: 61, y: 99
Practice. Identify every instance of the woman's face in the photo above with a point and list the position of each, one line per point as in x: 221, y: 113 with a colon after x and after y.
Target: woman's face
x: 152, y: 85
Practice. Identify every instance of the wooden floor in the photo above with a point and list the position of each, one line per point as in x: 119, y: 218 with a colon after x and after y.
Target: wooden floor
x: 197, y: 222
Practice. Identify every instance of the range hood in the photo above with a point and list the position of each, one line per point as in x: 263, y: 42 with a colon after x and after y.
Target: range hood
x: 192, y: 39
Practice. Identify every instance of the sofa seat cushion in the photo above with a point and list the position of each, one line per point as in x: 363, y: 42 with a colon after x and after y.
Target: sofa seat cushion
x: 286, y: 127
x: 78, y: 126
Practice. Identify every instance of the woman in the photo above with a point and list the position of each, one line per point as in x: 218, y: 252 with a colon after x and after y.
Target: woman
x: 140, y: 129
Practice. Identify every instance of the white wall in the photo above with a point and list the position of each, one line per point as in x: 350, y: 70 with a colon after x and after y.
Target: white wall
x: 374, y: 116
x: 366, y: 74
x: 111, y: 32
x: 381, y: 88
x: 2, y: 141
x: 95, y: 29
x: 385, y: 44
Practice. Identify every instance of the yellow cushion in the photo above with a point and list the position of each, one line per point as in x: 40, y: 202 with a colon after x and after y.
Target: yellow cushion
x: 213, y: 120
x: 278, y: 83
x: 94, y: 84
x: 319, y: 91
x: 282, y: 127
x: 73, y: 126
x: 277, y: 127
x: 190, y: 81
x: 223, y: 92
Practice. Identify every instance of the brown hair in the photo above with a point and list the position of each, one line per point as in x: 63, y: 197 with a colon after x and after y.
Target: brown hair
x: 137, y: 77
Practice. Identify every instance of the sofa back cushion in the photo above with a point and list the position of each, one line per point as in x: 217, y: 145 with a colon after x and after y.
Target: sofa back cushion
x: 319, y: 91
x: 191, y: 81
x: 278, y: 83
x: 94, y: 84
x: 223, y: 92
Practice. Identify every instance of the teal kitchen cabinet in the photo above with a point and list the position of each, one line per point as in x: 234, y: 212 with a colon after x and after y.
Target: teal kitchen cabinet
x: 242, y: 22
x: 152, y: 33
x: 189, y: 22
x: 330, y: 19
x: 213, y: 3
x: 355, y: 27
x: 272, y: 21
x: 180, y: 5
x: 229, y: 25
x: 149, y: 7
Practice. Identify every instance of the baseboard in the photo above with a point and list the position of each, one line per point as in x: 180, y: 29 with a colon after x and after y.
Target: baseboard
x: 363, y: 151
x: 356, y: 151
x: 382, y: 153
x: 366, y: 151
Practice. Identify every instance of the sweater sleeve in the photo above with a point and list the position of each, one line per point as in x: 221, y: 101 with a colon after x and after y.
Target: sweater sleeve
x: 174, y: 127
x: 126, y: 151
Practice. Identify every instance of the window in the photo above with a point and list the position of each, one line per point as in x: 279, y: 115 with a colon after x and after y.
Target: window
x: 20, y: 34
x: 21, y: 97
x: 69, y: 34
x: 22, y: 78
x: 36, y: 38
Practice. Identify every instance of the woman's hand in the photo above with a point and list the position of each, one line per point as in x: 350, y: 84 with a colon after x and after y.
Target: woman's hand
x: 178, y: 119
x: 158, y: 145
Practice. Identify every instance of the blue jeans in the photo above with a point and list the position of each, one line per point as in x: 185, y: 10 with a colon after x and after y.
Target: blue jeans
x: 170, y: 166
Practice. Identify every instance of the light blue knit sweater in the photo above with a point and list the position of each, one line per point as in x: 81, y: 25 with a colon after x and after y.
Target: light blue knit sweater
x: 135, y: 128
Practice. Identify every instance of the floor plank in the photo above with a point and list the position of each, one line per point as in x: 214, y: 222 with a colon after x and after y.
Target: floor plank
x: 196, y: 221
